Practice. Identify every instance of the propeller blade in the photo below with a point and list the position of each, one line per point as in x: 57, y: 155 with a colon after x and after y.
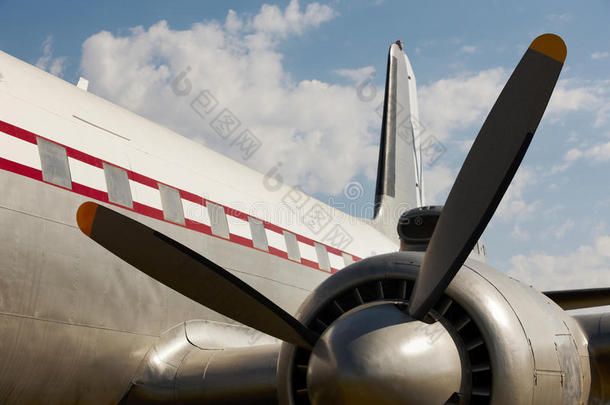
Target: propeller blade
x: 488, y: 169
x: 189, y: 273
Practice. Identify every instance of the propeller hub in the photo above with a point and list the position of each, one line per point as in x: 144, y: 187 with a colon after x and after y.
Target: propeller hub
x: 378, y: 354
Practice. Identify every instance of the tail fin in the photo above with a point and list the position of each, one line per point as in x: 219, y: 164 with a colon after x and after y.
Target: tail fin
x: 399, y: 174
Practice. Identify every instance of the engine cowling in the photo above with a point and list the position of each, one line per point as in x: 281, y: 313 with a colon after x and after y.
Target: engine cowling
x: 490, y: 340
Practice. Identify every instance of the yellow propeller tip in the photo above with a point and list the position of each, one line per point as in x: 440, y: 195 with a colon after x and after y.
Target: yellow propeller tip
x: 85, y: 215
x: 550, y: 45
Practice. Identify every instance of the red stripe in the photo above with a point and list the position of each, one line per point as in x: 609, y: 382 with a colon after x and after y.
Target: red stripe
x: 83, y: 157
x: 90, y: 192
x: 192, y: 197
x: 140, y: 178
x: 148, y: 211
x: 240, y: 240
x: 313, y: 265
x: 273, y: 227
x: 236, y: 214
x: 142, y: 208
x: 198, y: 226
x: 18, y: 168
x: 17, y: 132
x: 278, y: 252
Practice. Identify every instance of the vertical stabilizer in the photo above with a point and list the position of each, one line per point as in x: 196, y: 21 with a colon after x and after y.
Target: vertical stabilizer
x: 399, y: 174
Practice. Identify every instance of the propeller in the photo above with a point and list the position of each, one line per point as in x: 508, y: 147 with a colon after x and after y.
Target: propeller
x: 488, y: 169
x: 482, y: 181
x: 189, y: 273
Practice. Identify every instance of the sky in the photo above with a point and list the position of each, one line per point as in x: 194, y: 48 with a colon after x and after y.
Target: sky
x: 307, y: 78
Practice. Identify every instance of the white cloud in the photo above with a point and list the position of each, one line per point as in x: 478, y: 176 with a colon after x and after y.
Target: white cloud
x: 47, y: 62
x: 436, y: 181
x: 514, y: 205
x: 459, y: 101
x: 600, y: 55
x: 312, y: 127
x: 272, y: 20
x: 519, y: 233
x: 571, y: 95
x: 357, y: 75
x: 560, y: 231
x: 586, y: 266
x: 468, y: 49
x: 598, y: 153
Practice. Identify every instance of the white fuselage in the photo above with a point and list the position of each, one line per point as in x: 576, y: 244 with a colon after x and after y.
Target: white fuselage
x: 75, y: 321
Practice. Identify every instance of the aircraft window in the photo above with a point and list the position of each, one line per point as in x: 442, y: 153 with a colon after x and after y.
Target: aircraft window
x: 54, y: 162
x: 259, y: 237
x: 119, y: 191
x: 292, y: 246
x: 347, y: 259
x: 322, y: 253
x: 172, y: 204
x: 218, y: 220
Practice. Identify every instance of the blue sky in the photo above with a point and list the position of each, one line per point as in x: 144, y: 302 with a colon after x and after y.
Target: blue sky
x: 554, y: 226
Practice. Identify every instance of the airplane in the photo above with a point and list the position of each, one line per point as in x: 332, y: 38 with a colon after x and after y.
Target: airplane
x: 140, y: 267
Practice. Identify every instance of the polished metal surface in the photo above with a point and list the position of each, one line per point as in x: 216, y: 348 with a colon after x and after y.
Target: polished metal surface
x: 76, y: 321
x: 172, y: 205
x: 322, y: 255
x: 259, y: 237
x: 119, y: 191
x: 378, y: 354
x: 177, y: 371
x: 189, y: 273
x: 218, y: 219
x: 292, y: 246
x: 538, y: 353
x: 398, y: 186
x: 597, y: 330
x: 54, y: 163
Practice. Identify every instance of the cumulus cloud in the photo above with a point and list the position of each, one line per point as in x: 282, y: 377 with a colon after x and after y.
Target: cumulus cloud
x: 272, y: 20
x: 451, y: 104
x: 598, y: 153
x: 460, y: 101
x: 357, y: 75
x: 437, y: 180
x: 54, y: 65
x: 586, y: 266
x: 310, y: 126
x: 571, y: 95
x: 594, y: 154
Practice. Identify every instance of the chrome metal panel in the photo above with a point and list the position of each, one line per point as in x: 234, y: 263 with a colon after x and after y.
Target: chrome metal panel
x: 75, y: 321
x: 210, y: 335
x: 177, y: 372
x: 378, y: 354
x: 570, y: 369
x: 292, y: 246
x: 54, y: 163
x: 172, y: 204
x: 597, y: 329
x: 539, y: 320
x: 117, y: 182
x: 259, y: 236
x: 218, y: 219
x: 322, y: 255
x: 347, y: 259
x: 519, y: 327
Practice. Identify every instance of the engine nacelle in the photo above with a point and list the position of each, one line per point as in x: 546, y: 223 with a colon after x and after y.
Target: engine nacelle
x: 512, y: 344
